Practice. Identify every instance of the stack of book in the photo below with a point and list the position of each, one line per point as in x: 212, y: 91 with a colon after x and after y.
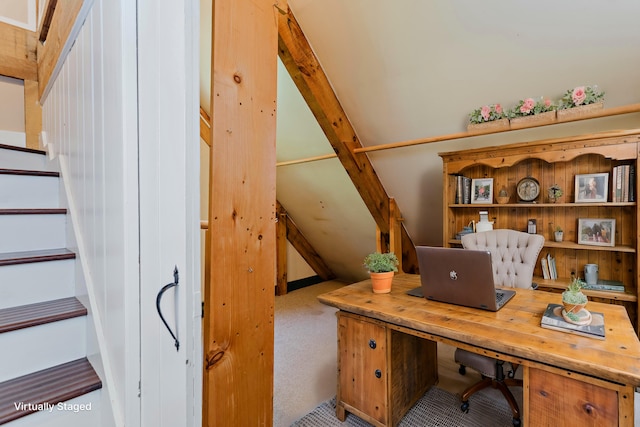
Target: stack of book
x: 623, y: 183
x: 553, y: 319
x: 549, y: 267
x: 463, y: 190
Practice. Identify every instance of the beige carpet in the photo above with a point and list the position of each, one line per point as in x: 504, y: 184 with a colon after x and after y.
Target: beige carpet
x: 305, y: 367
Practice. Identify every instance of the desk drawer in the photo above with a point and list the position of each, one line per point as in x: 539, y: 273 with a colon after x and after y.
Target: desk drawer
x: 362, y: 367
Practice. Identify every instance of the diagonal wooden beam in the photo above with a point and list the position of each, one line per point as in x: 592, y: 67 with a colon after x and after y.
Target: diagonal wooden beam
x: 305, y: 70
x: 18, y: 52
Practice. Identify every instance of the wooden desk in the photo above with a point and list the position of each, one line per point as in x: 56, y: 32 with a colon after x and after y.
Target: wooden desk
x: 568, y: 379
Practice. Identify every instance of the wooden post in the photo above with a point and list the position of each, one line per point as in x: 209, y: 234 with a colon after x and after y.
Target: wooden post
x: 395, y: 231
x: 32, y: 114
x: 239, y: 294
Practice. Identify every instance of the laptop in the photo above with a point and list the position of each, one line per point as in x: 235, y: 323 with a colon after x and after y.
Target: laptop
x: 459, y: 276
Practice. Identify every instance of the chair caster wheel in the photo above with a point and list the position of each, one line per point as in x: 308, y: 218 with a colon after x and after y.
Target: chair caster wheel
x: 464, y: 407
x: 462, y: 370
x: 516, y: 422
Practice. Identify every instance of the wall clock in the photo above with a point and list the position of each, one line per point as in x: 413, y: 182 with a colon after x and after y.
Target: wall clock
x: 528, y: 189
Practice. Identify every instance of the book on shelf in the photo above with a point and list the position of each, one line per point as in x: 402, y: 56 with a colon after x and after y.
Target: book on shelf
x: 551, y: 263
x: 632, y: 183
x: 623, y: 183
x: 553, y: 319
x: 545, y: 268
x: 463, y: 190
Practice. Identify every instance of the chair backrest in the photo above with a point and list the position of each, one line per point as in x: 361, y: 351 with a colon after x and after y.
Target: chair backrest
x: 513, y: 254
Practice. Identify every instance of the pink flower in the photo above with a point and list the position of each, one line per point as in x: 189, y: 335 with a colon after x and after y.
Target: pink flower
x: 578, y: 96
x: 547, y: 102
x: 485, y: 111
x: 498, y: 108
x: 527, y: 105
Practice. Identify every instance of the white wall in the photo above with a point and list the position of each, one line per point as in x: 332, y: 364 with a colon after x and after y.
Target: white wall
x: 90, y: 117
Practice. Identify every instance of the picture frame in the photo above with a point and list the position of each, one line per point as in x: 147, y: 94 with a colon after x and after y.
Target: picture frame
x: 592, y: 188
x: 596, y: 231
x: 482, y: 190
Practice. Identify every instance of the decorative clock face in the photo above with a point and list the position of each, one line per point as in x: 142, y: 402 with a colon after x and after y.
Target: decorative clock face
x: 528, y: 189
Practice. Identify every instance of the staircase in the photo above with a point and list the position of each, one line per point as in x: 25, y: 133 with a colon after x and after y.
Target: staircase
x: 45, y: 377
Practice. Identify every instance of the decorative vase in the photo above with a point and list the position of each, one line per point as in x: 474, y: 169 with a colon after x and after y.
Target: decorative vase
x: 533, y: 120
x: 494, y: 125
x: 381, y: 282
x: 580, y: 112
x: 573, y: 308
x: 558, y: 236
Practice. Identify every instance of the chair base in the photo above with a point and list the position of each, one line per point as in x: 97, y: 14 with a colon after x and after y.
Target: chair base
x: 503, y: 386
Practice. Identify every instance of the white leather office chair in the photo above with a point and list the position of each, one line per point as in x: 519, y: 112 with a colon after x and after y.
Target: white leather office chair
x: 514, y: 255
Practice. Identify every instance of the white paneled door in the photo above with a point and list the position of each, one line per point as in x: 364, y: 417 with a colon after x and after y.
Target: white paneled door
x: 167, y: 34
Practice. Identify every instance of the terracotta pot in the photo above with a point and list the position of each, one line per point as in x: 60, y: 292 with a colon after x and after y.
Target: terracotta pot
x: 381, y: 282
x: 573, y: 308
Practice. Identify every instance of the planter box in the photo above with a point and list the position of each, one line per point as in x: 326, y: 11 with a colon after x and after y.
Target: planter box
x: 495, y: 125
x: 533, y: 120
x: 581, y: 112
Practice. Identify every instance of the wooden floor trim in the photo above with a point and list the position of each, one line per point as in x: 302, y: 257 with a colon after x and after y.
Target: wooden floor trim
x: 29, y: 315
x: 24, y: 149
x: 57, y: 211
x: 28, y: 172
x: 52, y: 386
x: 25, y: 257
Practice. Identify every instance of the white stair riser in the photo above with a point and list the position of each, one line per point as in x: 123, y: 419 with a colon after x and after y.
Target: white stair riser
x: 32, y: 232
x: 28, y: 191
x: 40, y: 347
x: 87, y: 415
x: 22, y: 284
x: 12, y: 159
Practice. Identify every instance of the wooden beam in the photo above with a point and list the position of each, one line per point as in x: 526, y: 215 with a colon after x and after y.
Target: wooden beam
x: 281, y: 250
x: 18, y: 52
x: 32, y: 114
x: 305, y: 70
x: 239, y: 292
x: 64, y: 18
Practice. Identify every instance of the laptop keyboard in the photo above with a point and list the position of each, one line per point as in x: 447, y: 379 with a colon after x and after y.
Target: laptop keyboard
x: 499, y: 298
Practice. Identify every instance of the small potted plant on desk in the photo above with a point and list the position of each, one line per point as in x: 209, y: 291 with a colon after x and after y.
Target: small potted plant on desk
x: 382, y: 267
x: 574, y: 301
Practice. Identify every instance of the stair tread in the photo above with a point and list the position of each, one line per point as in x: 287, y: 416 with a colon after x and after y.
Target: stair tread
x: 28, y: 172
x: 29, y: 315
x: 33, y: 211
x: 54, y: 385
x: 24, y: 149
x: 23, y: 257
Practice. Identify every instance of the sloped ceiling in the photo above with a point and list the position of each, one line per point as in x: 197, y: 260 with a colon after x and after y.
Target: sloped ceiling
x: 411, y: 69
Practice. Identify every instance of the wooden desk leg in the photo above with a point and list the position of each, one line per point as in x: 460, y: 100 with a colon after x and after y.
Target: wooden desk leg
x: 341, y: 413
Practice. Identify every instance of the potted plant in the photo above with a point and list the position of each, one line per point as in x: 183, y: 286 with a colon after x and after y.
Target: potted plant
x: 573, y: 299
x: 488, y: 116
x: 529, y: 112
x: 382, y: 267
x: 558, y: 234
x: 580, y: 101
x: 555, y: 192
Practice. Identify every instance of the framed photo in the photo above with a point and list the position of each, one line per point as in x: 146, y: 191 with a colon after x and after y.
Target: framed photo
x: 482, y: 190
x: 592, y: 188
x: 596, y: 231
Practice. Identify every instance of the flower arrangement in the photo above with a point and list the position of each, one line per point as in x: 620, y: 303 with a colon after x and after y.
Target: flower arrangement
x: 581, y: 95
x: 487, y: 113
x: 530, y: 107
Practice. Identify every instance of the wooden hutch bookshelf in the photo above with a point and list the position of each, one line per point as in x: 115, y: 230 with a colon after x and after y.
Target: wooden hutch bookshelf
x: 556, y: 161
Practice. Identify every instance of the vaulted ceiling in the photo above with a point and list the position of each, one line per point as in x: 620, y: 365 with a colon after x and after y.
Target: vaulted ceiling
x: 412, y: 69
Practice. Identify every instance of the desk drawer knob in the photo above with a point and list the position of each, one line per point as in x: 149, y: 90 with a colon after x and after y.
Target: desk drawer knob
x: 372, y: 343
x: 378, y: 373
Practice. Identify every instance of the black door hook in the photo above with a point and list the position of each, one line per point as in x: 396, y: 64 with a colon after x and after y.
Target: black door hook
x: 159, y: 298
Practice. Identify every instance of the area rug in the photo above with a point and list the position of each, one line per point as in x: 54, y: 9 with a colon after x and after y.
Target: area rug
x: 436, y: 408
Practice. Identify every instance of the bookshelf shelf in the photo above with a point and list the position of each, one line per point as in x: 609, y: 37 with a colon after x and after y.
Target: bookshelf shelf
x: 558, y: 162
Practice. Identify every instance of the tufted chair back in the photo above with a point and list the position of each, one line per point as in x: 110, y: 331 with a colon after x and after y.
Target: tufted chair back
x: 513, y: 254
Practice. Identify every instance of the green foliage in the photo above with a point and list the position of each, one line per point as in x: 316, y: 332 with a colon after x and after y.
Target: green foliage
x: 581, y: 95
x: 555, y: 191
x: 487, y: 113
x: 573, y: 294
x: 558, y: 229
x: 377, y: 262
x: 531, y: 107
